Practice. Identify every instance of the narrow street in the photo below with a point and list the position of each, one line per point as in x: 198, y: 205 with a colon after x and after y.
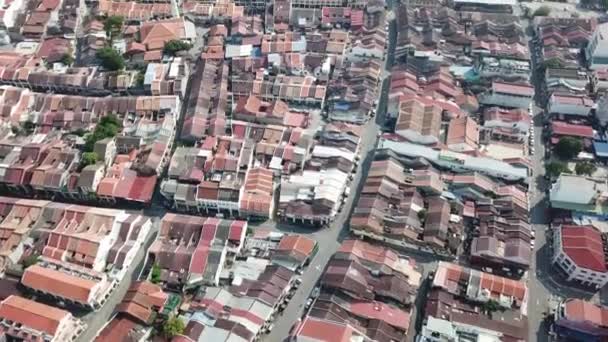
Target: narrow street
x: 98, y: 319
x: 544, y: 291
x: 329, y: 239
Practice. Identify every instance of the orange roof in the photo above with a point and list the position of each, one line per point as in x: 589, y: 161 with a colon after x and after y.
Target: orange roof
x: 298, y: 243
x: 31, y: 314
x: 58, y: 283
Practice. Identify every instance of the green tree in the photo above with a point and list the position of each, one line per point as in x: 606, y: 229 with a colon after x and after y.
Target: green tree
x: 107, y: 127
x: 568, y: 147
x: 174, y: 46
x: 30, y: 260
x: 542, y: 11
x: 80, y: 132
x: 67, y: 59
x: 29, y: 127
x: 422, y: 215
x: 490, y: 306
x: 88, y: 158
x: 553, y: 63
x: 110, y: 59
x: 173, y: 326
x: 113, y: 25
x: 554, y: 169
x: 155, y: 274
x: 584, y: 168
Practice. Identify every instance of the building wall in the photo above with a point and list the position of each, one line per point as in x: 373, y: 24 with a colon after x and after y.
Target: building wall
x: 504, y: 100
x: 107, y: 242
x: 570, y: 109
x: 597, y: 50
x: 417, y: 137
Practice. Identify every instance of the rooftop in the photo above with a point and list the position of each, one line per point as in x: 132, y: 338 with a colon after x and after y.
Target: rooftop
x: 33, y: 315
x: 583, y: 244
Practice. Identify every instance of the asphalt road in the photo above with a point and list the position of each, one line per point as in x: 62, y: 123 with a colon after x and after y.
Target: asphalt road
x: 97, y: 320
x: 544, y: 289
x: 329, y: 239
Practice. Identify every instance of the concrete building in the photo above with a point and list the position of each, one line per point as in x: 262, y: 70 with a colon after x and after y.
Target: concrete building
x: 579, y: 252
x: 25, y: 320
x: 457, y: 162
x: 579, y: 194
x: 579, y: 320
x: 596, y: 51
x: 509, y: 95
x: 570, y: 105
x: 419, y: 120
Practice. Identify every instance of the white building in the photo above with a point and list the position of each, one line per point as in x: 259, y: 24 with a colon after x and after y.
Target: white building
x: 570, y: 105
x: 578, y: 251
x: 509, y: 95
x: 457, y: 162
x: 440, y: 330
x: 596, y: 51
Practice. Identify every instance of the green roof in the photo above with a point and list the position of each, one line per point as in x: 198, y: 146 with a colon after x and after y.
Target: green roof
x: 172, y: 302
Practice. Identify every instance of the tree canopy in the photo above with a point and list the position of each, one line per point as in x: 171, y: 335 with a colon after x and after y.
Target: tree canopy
x: 67, y: 59
x: 556, y: 168
x: 568, y: 147
x: 88, y: 158
x: 542, y: 11
x: 112, y: 25
x: 155, y: 274
x: 174, y: 46
x: 107, y: 127
x: 173, y: 326
x: 422, y: 214
x: 110, y: 59
x: 585, y: 168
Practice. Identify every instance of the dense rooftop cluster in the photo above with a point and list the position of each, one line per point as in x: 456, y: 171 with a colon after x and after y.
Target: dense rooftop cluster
x: 157, y: 159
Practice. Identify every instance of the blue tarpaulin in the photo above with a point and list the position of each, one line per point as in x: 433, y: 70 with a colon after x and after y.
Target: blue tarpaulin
x: 601, y: 148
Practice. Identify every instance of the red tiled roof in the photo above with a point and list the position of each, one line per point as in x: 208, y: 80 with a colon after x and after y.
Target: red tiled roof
x: 236, y: 230
x: 583, y: 244
x: 142, y: 189
x: 324, y: 330
x: 58, y: 283
x: 564, y: 128
x: 31, y: 314
x: 119, y: 329
x: 298, y: 243
x: 384, y: 312
x: 578, y: 310
x: 373, y: 253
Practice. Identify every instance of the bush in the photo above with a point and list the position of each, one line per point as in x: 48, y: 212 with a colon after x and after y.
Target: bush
x: 553, y: 63
x: 174, y: 46
x: 542, y: 11
x: 110, y: 59
x: 585, y: 168
x: 422, y: 215
x: 30, y: 260
x: 155, y: 274
x: 568, y: 147
x: 554, y: 169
